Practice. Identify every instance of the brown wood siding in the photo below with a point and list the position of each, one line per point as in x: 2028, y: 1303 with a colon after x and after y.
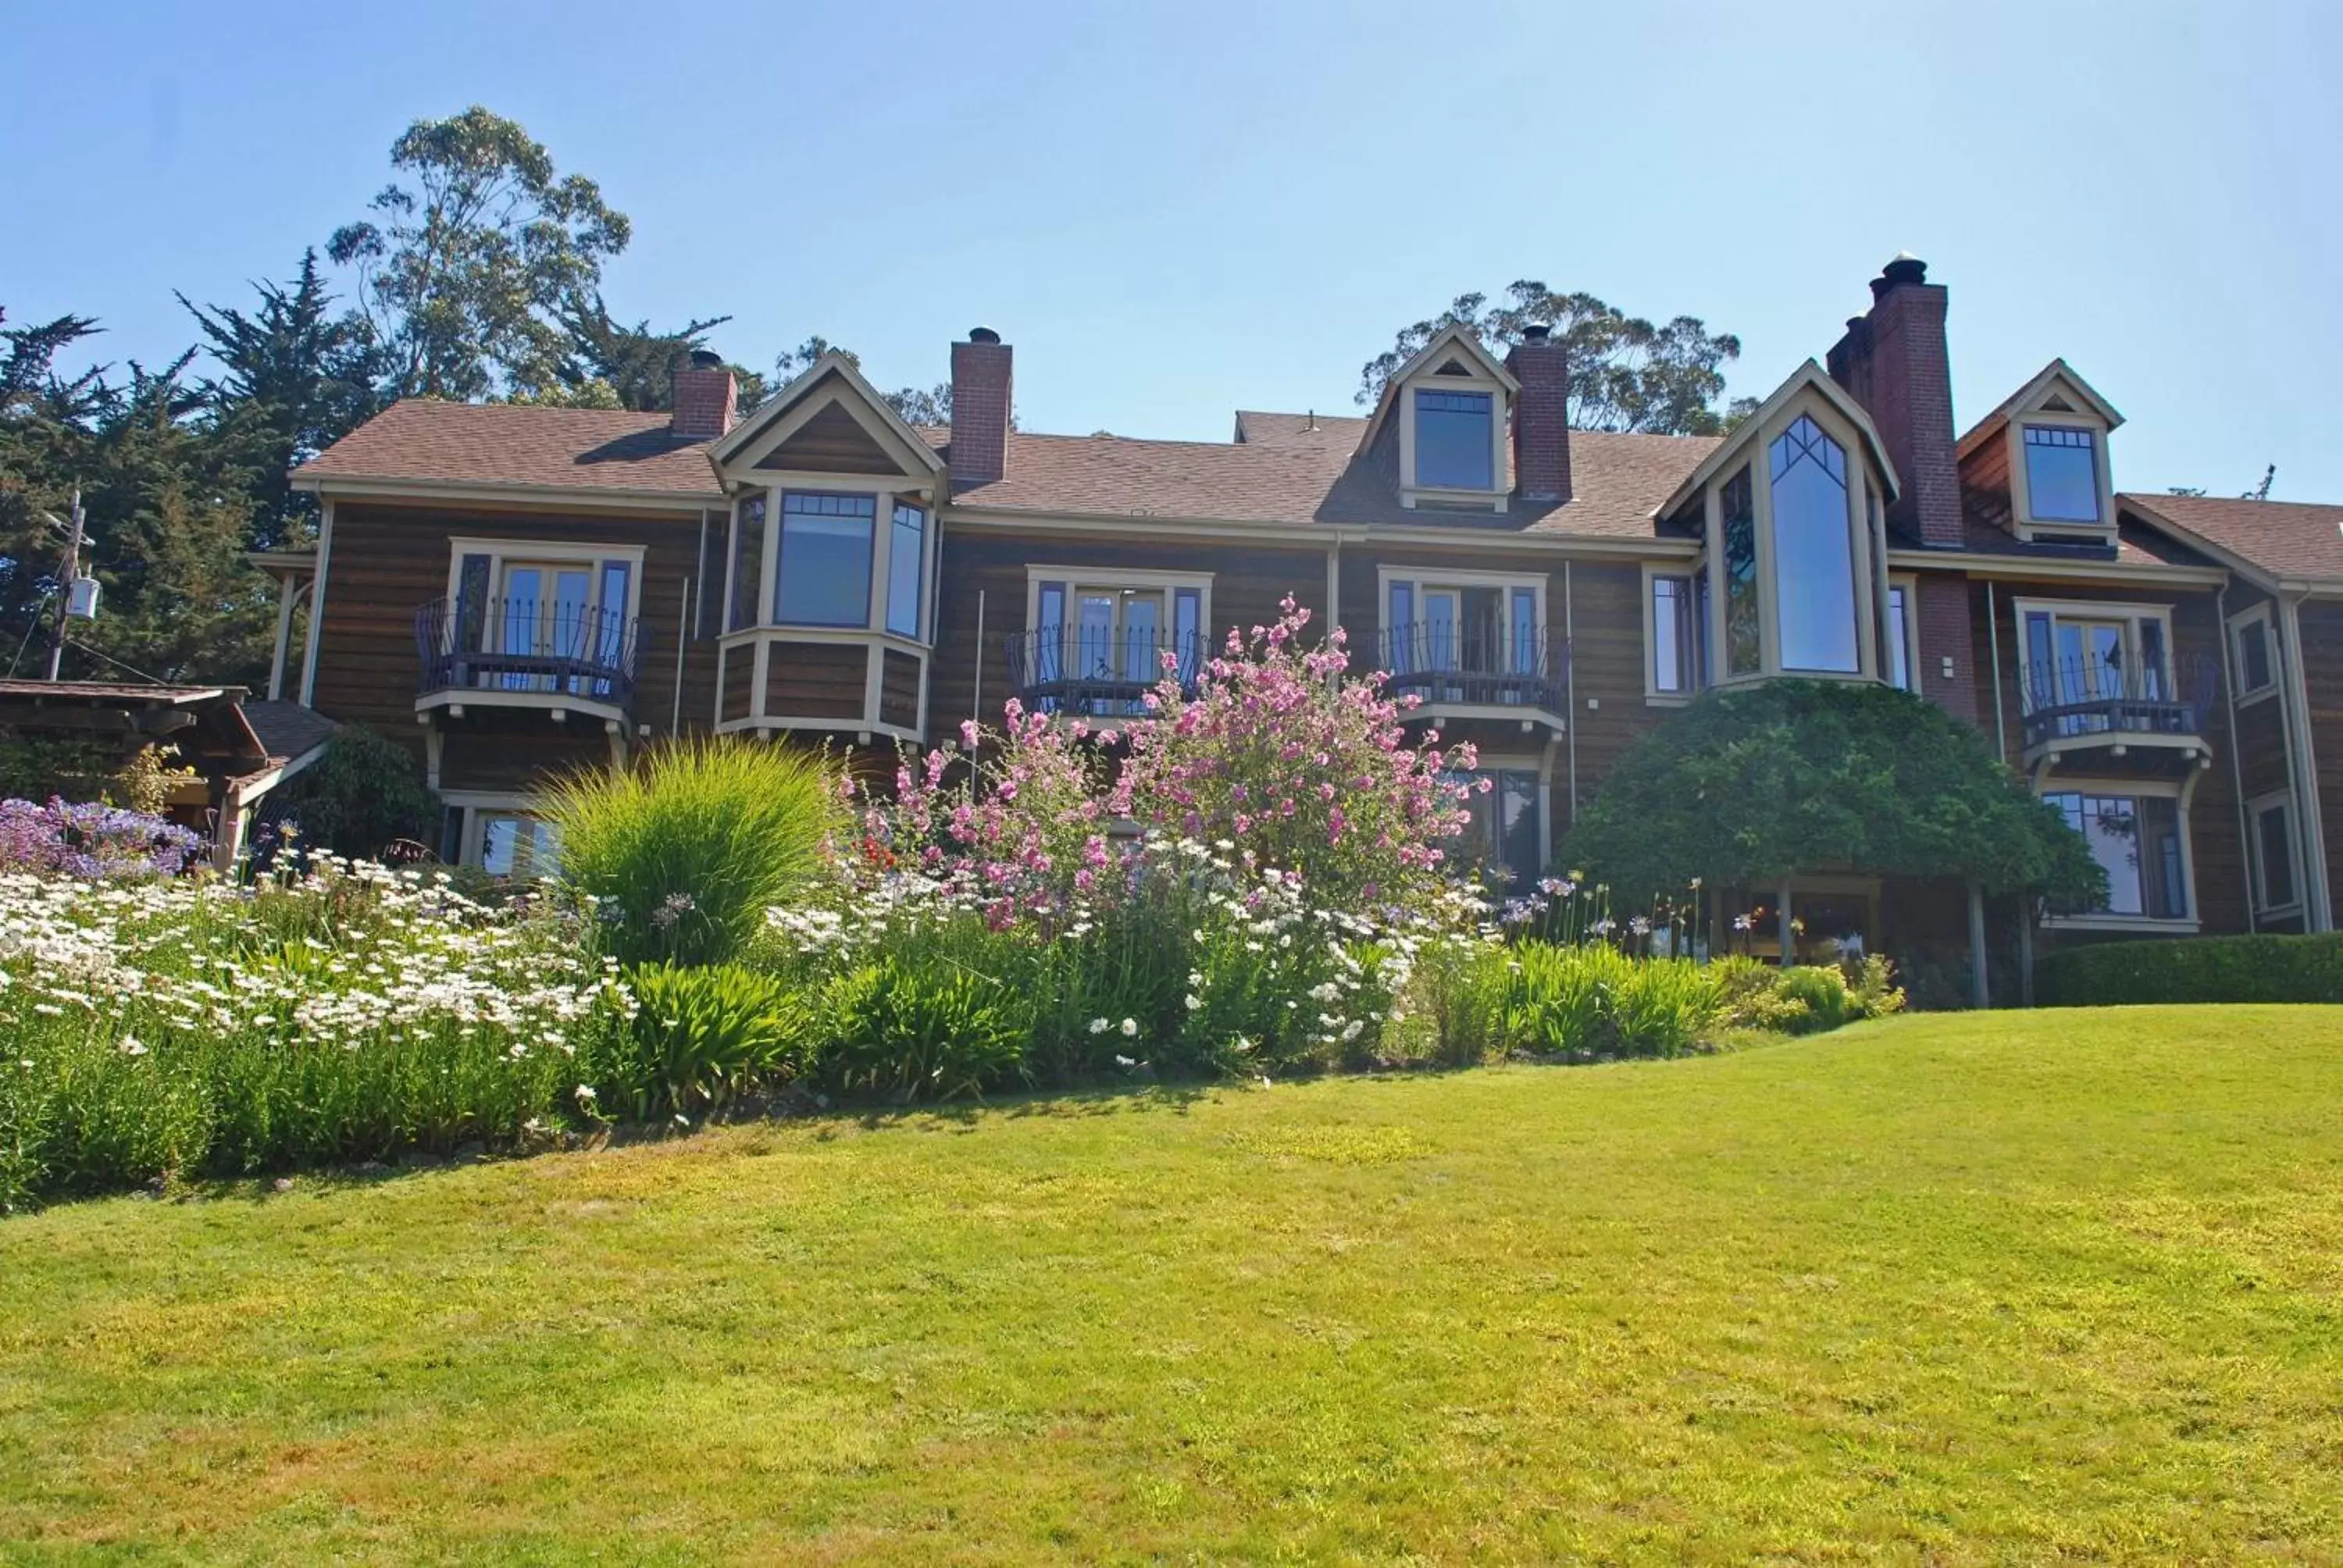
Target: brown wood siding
x: 815, y: 680
x: 518, y: 749
x: 1247, y: 584
x: 2322, y: 668
x: 1598, y: 603
x: 390, y: 559
x: 832, y: 442
x: 899, y: 688
x: 739, y: 679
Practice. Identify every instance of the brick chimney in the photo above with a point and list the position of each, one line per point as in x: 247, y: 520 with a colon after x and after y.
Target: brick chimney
x: 1893, y: 361
x: 1541, y: 416
x: 979, y: 407
x: 705, y: 395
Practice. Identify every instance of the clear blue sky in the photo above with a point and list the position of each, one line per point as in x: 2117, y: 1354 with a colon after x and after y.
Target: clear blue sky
x: 1175, y: 210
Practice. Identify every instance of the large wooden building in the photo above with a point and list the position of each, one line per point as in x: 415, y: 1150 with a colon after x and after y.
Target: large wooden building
x: 519, y: 589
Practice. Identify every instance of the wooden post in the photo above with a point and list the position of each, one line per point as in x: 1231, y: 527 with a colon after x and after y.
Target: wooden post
x: 1980, y: 994
x: 1782, y: 919
x: 2025, y: 950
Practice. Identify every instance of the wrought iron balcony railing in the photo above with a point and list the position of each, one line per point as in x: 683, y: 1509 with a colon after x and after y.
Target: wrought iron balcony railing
x: 525, y: 645
x: 2064, y: 700
x: 1094, y: 672
x: 1496, y: 667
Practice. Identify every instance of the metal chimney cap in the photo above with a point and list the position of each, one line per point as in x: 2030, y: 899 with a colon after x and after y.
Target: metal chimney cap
x: 982, y: 335
x: 707, y: 359
x: 1536, y: 332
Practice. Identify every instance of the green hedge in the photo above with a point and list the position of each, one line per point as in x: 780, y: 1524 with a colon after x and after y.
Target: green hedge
x: 2196, y: 969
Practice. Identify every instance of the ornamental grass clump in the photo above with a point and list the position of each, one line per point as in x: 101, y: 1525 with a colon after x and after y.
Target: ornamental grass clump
x: 679, y: 856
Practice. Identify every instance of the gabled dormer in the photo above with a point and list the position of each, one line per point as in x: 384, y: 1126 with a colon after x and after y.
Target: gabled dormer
x: 1792, y: 577
x: 2038, y: 465
x: 1446, y: 412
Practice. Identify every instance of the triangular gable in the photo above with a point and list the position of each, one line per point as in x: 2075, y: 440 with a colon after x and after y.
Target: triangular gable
x: 1455, y: 343
x: 2053, y: 386
x: 1809, y: 376
x: 806, y: 411
x: 831, y: 441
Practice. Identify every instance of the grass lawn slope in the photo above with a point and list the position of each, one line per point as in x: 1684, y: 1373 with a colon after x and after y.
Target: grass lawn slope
x: 1968, y: 1289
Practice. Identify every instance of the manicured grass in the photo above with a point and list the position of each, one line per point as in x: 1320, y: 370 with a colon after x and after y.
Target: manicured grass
x: 1945, y: 1290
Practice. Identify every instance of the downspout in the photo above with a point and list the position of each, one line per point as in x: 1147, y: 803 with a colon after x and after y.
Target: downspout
x: 2237, y: 767
x: 1570, y: 681
x: 976, y: 681
x: 318, y: 605
x: 682, y: 639
x: 2310, y: 835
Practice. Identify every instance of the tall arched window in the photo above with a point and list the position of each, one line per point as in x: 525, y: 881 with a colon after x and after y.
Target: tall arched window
x: 1814, y: 552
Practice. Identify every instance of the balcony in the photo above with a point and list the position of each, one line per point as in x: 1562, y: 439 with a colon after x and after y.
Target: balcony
x: 522, y: 652
x: 1498, y: 669
x: 1095, y: 672
x: 2093, y: 704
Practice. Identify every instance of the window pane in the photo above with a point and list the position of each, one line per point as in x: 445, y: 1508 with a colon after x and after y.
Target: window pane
x: 2061, y: 475
x: 906, y: 567
x: 1900, y: 637
x: 1814, y: 552
x: 1501, y: 839
x: 748, y: 561
x: 2276, y: 857
x: 1187, y: 631
x: 825, y: 566
x: 1402, y: 633
x: 1525, y: 632
x: 1742, y: 655
x: 2254, y: 655
x: 1453, y: 439
x: 512, y: 845
x: 2137, y: 842
x: 1674, y: 667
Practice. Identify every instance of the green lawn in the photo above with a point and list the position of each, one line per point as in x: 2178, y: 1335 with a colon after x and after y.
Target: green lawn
x: 1943, y: 1290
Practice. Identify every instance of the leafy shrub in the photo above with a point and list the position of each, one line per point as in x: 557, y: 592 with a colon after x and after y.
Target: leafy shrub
x: 2246, y: 968
x: 1457, y: 1000
x: 363, y: 795
x: 1588, y: 1000
x: 682, y: 855
x: 701, y: 1035
x: 1820, y: 993
x: 902, y: 1032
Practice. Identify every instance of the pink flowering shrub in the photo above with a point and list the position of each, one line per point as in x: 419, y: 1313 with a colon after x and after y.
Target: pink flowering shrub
x: 1281, y: 755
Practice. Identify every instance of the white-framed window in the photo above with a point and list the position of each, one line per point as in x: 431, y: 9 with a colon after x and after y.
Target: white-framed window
x: 2138, y: 833
x: 1903, y: 638
x: 1096, y: 638
x: 540, y: 614
x: 1505, y: 840
x: 907, y: 566
x: 1795, y: 548
x: 2085, y: 654
x: 2276, y: 855
x: 2060, y: 483
x: 2253, y: 655
x: 1483, y: 623
x: 1676, y: 631
x: 1452, y: 436
x: 823, y: 575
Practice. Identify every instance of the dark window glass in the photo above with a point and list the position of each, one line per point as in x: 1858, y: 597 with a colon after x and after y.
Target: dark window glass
x: 2254, y: 672
x: 472, y: 604
x: 1741, y: 647
x: 1454, y: 440
x: 1814, y: 552
x: 747, y: 561
x: 2270, y: 825
x: 1501, y: 839
x: 2062, y: 476
x: 2137, y: 840
x: 907, y: 556
x: 1675, y: 638
x: 825, y: 566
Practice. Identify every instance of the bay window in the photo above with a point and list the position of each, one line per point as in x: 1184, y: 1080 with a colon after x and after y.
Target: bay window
x: 824, y: 571
x: 747, y: 561
x: 2138, y: 840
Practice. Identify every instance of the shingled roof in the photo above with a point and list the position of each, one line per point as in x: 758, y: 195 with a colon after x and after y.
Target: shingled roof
x: 2294, y: 540
x: 1285, y: 468
x: 422, y: 441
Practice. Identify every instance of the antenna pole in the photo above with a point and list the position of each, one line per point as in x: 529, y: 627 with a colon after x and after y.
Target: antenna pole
x: 65, y: 588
